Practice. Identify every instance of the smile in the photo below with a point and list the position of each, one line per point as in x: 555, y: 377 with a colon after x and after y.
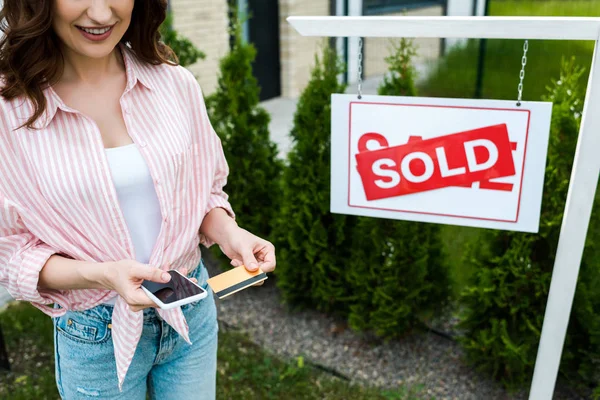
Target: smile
x: 95, y: 31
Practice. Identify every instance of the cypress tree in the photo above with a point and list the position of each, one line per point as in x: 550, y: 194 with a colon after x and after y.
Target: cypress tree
x: 253, y: 184
x: 186, y: 52
x: 313, y: 244
x: 400, y: 80
x: 397, y: 269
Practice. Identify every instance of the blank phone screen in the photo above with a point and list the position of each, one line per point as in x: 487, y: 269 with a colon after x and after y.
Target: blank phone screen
x: 178, y: 288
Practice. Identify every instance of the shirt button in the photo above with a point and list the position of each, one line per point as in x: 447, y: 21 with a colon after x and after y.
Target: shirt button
x: 142, y: 143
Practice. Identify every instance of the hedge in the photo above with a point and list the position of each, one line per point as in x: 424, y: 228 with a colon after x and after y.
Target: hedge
x: 506, y: 300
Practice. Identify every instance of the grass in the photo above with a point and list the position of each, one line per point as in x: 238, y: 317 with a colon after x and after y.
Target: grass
x: 548, y: 8
x: 245, y: 371
x: 28, y: 337
x: 455, y: 75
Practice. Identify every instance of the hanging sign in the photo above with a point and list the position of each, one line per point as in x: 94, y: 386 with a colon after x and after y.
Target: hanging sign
x: 452, y: 161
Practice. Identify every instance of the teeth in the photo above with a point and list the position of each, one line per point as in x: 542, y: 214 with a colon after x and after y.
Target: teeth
x: 96, y: 31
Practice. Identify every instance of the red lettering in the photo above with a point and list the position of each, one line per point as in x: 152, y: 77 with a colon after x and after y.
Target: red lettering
x: 459, y: 159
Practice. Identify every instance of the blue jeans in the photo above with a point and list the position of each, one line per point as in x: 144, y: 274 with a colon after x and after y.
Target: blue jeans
x: 164, y: 365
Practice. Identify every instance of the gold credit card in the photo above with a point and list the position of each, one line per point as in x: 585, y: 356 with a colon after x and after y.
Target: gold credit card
x: 234, y: 280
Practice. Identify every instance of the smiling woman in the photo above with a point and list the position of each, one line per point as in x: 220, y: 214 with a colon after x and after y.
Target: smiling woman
x: 111, y: 175
x: 37, y: 46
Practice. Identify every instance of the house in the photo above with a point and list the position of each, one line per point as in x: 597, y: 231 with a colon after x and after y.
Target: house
x: 284, y: 58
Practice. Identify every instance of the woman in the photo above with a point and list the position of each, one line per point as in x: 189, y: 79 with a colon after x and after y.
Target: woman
x: 110, y: 173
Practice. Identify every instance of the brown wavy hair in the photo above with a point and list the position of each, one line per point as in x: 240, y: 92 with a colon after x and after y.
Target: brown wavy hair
x: 30, y: 56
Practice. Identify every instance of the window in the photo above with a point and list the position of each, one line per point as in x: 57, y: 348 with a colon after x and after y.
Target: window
x: 374, y: 7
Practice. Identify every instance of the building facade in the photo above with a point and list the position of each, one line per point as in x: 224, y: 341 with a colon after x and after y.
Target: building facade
x: 284, y: 58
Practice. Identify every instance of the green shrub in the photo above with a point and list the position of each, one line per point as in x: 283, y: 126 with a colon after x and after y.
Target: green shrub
x: 581, y: 357
x: 397, y: 269
x: 313, y: 244
x: 186, y: 52
x: 398, y: 276
x: 400, y: 80
x: 243, y: 126
x: 506, y: 301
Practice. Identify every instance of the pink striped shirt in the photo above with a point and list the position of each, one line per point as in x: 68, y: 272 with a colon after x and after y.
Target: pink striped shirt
x: 57, y: 195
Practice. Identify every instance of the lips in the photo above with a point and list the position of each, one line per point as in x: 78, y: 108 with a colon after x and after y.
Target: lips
x: 95, y: 30
x: 96, y: 33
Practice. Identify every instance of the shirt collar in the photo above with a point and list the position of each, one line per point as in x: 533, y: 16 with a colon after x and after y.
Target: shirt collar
x: 135, y: 70
x: 53, y: 102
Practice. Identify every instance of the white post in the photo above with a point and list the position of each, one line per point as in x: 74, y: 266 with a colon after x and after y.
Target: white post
x: 340, y: 10
x: 459, y: 8
x: 355, y: 8
x: 480, y: 10
x: 578, y: 210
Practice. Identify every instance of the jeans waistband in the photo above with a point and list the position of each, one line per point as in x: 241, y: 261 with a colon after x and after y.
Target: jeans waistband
x: 104, y: 311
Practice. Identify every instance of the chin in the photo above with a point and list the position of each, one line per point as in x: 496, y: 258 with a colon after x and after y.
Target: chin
x: 95, y: 50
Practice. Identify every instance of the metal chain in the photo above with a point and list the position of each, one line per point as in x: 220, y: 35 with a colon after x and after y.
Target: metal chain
x: 522, y: 73
x: 360, y: 67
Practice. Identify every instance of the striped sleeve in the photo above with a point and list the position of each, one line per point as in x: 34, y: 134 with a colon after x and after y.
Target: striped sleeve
x: 218, y: 197
x: 22, y: 257
x: 202, y: 126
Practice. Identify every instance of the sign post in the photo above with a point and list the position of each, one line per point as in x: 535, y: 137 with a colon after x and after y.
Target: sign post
x: 586, y: 165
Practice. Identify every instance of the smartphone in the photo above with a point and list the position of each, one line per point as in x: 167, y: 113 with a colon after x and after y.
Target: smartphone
x: 178, y: 291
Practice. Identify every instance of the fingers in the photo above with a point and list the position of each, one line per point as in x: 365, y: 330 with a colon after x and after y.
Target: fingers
x: 184, y: 272
x: 268, y: 262
x: 138, y: 308
x: 138, y: 300
x: 249, y: 261
x: 149, y: 273
x: 266, y: 259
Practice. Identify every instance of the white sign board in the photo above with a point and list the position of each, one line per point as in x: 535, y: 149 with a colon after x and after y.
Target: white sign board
x: 464, y: 162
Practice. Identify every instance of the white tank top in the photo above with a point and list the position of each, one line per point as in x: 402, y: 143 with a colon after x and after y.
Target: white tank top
x: 137, y: 198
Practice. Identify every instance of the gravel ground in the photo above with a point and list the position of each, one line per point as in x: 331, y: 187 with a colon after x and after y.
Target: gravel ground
x: 424, y: 359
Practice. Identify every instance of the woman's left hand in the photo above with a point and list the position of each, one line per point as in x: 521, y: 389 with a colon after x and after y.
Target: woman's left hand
x: 244, y: 248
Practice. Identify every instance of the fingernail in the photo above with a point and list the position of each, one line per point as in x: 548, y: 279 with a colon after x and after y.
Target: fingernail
x: 253, y: 266
x: 166, y: 276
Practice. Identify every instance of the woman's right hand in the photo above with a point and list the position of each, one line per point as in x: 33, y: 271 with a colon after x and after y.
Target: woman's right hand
x: 126, y: 277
